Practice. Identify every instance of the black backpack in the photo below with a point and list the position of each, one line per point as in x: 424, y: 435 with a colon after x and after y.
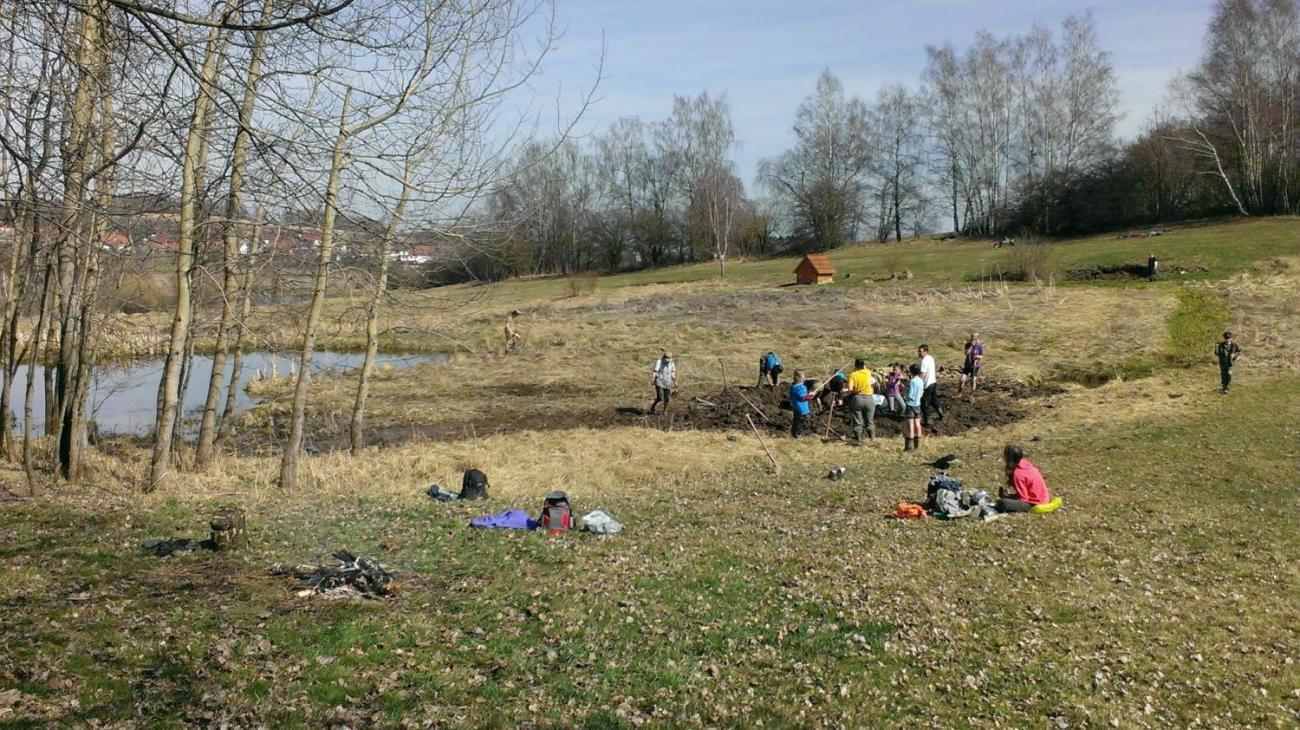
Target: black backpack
x: 474, y: 485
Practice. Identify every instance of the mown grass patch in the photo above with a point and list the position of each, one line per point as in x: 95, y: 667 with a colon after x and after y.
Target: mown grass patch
x: 1197, y: 322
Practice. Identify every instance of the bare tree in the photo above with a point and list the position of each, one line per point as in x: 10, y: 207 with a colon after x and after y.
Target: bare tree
x: 230, y: 250
x: 823, y: 179
x: 169, y: 387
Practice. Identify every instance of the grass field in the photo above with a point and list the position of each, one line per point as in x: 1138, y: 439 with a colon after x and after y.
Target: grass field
x: 1163, y: 594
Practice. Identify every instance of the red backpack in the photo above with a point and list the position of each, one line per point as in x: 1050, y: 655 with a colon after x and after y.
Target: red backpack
x: 557, y: 516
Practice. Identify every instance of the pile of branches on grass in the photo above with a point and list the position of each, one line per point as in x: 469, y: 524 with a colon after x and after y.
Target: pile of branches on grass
x: 352, y: 577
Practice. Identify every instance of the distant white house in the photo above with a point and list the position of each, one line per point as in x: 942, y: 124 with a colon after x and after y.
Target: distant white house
x: 422, y: 253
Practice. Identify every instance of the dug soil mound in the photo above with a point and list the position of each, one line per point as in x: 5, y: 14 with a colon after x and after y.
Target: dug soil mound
x: 997, y: 403
x: 1129, y: 272
x: 994, y: 404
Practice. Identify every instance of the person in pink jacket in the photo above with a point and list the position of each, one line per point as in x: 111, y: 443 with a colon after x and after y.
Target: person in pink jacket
x: 1025, y: 484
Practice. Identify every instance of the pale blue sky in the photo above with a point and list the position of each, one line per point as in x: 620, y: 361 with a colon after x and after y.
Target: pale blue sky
x: 765, y: 54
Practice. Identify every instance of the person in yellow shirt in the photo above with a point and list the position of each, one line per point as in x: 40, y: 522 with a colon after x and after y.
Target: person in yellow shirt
x: 862, y: 406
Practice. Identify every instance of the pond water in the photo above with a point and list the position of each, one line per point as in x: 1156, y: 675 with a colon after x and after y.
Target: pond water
x: 124, y: 398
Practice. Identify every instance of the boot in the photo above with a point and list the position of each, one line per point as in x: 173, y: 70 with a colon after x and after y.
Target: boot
x: 907, y: 443
x: 916, y: 443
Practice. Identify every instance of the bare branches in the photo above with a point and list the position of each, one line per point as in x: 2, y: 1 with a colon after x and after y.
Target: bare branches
x: 224, y: 23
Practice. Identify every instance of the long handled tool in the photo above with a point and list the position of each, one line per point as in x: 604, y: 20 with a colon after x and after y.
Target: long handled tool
x: 775, y: 466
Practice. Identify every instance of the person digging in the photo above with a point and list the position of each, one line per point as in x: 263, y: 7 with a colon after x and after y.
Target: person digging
x: 770, y: 369
x: 800, y: 397
x: 930, y: 376
x: 970, y: 369
x: 664, y: 380
x: 862, y: 406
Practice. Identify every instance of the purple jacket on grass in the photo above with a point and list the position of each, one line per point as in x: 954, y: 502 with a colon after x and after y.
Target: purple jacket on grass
x: 511, y: 519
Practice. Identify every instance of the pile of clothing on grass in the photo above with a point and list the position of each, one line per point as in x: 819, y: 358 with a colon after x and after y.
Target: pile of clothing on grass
x: 946, y: 500
x: 350, y: 577
x: 555, y: 517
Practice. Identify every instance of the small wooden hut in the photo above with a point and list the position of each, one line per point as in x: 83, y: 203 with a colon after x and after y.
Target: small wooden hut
x: 815, y: 268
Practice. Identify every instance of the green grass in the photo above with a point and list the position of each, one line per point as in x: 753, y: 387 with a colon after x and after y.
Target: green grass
x: 1200, y: 318
x: 1162, y: 594
x: 742, y: 597
x: 1221, y: 248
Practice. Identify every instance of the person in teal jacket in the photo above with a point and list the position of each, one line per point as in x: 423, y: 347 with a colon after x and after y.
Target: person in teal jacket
x: 912, y: 409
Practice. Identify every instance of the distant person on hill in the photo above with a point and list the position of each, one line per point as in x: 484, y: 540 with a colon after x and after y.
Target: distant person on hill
x: 930, y: 376
x: 862, y: 406
x: 1152, y: 265
x: 1227, y: 352
x: 512, y: 335
x: 799, y: 399
x: 912, y: 408
x: 770, y: 369
x: 1025, y: 484
x: 664, y: 380
x: 974, y: 359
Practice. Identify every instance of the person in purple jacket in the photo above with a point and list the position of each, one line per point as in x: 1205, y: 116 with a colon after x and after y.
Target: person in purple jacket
x: 974, y: 359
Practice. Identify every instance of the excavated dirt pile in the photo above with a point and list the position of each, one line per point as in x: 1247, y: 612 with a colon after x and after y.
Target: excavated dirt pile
x: 994, y: 404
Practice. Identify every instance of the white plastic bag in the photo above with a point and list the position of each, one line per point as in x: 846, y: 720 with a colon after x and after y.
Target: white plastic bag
x: 601, y: 523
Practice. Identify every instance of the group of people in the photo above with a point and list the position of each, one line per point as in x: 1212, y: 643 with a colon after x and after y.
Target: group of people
x: 913, y: 390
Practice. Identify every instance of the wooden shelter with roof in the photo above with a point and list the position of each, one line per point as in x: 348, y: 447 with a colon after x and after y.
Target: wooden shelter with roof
x: 815, y: 268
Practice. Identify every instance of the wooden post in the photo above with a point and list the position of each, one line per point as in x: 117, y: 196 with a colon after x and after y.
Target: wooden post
x: 775, y: 466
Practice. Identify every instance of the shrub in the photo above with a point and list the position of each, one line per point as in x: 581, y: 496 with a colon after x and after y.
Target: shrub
x: 1026, y: 261
x: 140, y: 294
x: 582, y: 283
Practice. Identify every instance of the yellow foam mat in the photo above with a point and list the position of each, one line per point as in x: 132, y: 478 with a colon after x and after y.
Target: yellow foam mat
x: 1043, y: 509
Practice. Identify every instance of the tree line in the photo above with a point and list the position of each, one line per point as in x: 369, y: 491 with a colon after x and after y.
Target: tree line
x: 1009, y: 135
x: 234, y: 116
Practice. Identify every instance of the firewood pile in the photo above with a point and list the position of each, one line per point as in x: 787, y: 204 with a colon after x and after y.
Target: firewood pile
x: 351, y: 577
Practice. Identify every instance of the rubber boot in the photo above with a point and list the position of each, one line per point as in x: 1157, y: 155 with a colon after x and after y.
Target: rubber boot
x: 907, y: 443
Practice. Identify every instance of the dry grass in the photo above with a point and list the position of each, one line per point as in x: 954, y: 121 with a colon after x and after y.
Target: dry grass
x: 1162, y: 595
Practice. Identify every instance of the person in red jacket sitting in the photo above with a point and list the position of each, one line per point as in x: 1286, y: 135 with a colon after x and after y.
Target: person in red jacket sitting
x: 1025, y: 484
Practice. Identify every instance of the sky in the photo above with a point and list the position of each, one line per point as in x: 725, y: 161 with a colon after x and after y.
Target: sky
x: 765, y: 55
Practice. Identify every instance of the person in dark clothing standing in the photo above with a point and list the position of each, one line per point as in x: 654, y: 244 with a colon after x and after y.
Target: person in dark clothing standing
x: 1226, y: 352
x: 1152, y: 265
x: 930, y: 377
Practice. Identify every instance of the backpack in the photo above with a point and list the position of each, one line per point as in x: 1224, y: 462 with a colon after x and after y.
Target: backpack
x: 937, y: 483
x: 556, y: 516
x: 474, y: 485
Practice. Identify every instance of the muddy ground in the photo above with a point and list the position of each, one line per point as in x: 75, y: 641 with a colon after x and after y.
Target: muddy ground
x: 1130, y: 272
x: 996, y: 403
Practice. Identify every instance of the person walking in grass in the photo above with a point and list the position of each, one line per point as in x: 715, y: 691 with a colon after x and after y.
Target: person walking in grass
x: 912, y: 409
x: 770, y: 369
x: 512, y: 335
x: 929, y: 376
x: 1227, y: 352
x: 664, y: 380
x: 800, y: 397
x: 862, y: 404
x: 1025, y: 487
x: 970, y: 369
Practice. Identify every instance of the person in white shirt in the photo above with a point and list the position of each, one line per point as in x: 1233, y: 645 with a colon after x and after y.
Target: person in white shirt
x: 664, y: 380
x: 930, y: 377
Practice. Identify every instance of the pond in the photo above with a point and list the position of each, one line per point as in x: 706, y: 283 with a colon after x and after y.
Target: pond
x: 124, y: 398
